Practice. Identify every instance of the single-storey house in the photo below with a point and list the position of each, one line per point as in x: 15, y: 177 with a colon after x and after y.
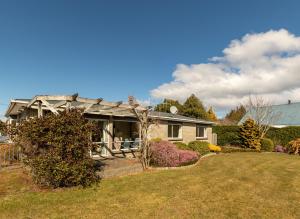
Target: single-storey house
x: 119, y: 129
x: 282, y: 115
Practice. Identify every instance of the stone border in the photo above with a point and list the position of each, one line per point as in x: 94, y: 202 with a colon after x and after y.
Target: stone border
x: 183, y: 167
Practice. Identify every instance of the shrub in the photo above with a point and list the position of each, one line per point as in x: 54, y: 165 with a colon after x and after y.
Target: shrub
x: 228, y: 149
x: 228, y: 135
x: 165, y: 154
x: 57, y: 149
x: 266, y: 144
x: 202, y: 147
x: 279, y: 149
x: 155, y: 140
x: 249, y: 134
x: 181, y: 145
x: 214, y: 148
x: 294, y: 146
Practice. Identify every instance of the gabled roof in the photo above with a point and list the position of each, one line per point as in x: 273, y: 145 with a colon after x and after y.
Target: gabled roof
x: 287, y: 114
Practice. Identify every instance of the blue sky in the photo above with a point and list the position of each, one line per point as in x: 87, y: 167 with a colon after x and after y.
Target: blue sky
x: 112, y: 49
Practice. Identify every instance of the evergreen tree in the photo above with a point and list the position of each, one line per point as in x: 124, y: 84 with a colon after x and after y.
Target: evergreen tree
x: 249, y: 134
x: 2, y: 128
x: 211, y: 114
x: 235, y: 115
x: 166, y: 104
x: 193, y: 107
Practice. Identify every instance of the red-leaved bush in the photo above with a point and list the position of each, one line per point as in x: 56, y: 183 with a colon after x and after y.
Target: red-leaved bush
x: 166, y: 154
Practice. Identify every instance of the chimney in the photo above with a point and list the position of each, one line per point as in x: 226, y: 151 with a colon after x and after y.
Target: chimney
x: 131, y: 100
x: 289, y: 101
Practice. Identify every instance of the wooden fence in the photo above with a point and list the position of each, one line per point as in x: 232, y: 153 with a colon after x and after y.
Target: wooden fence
x: 9, y: 154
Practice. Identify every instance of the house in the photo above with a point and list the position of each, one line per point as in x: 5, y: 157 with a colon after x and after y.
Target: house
x: 118, y: 127
x: 283, y: 115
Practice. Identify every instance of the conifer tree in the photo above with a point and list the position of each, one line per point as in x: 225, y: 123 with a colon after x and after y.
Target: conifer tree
x: 193, y: 107
x: 249, y: 134
x: 211, y: 114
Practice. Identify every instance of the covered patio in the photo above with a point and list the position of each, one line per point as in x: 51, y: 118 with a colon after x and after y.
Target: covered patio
x: 118, y: 131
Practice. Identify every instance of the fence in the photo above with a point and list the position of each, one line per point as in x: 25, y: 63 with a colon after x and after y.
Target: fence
x: 9, y: 154
x: 215, y: 138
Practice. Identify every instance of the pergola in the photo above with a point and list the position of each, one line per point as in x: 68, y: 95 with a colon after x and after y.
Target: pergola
x: 90, y: 106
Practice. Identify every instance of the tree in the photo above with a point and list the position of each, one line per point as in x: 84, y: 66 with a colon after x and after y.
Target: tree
x: 211, y: 114
x: 193, y: 107
x: 261, y: 111
x: 249, y: 134
x: 235, y: 115
x: 2, y: 128
x: 166, y: 104
x: 145, y: 122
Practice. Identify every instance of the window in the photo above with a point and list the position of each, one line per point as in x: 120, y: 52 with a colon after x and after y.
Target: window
x: 174, y: 131
x: 201, y: 132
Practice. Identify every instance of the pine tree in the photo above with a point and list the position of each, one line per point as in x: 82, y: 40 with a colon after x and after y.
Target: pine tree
x: 249, y: 134
x: 235, y: 115
x: 193, y: 107
x: 211, y: 114
x: 166, y: 104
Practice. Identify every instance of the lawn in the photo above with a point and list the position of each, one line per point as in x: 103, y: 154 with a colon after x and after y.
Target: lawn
x: 239, y: 185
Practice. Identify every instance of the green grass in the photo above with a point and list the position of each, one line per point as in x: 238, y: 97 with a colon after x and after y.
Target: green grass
x: 238, y: 185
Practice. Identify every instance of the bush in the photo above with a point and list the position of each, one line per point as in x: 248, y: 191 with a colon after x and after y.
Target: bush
x: 279, y: 149
x: 249, y: 134
x: 181, y: 145
x: 57, y: 149
x: 155, y: 140
x: 294, y: 146
x: 266, y: 144
x: 214, y: 148
x: 228, y: 149
x: 228, y: 135
x: 202, y: 147
x: 165, y: 154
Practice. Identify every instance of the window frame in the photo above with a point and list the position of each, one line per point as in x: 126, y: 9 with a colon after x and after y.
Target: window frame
x: 179, y: 131
x: 205, y: 132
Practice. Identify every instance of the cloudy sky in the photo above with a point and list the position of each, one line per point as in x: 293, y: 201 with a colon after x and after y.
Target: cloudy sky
x: 219, y: 50
x: 266, y: 64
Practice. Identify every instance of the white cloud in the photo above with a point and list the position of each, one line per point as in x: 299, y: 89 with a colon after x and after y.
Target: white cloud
x: 262, y: 63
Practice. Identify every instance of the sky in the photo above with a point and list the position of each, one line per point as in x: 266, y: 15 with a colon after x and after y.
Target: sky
x: 219, y: 50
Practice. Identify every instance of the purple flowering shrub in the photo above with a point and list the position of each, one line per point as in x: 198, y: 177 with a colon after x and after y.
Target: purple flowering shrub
x: 165, y: 154
x: 279, y: 149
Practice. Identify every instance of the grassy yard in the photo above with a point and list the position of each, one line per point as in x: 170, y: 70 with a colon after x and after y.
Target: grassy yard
x: 240, y: 185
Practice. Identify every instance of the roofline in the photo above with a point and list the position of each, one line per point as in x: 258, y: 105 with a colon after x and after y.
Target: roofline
x: 183, y: 120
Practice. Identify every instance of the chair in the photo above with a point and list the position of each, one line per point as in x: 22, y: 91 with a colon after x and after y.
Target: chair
x: 126, y: 144
x: 136, y: 143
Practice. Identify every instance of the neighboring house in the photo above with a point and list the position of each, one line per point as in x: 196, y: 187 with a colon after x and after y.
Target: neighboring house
x: 119, y: 129
x: 284, y: 115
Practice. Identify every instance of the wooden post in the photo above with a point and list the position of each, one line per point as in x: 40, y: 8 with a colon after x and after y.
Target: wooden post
x: 110, y: 133
x: 40, y: 110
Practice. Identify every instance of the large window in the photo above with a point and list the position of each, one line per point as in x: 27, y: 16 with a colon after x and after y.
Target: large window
x: 174, y: 131
x: 201, y: 132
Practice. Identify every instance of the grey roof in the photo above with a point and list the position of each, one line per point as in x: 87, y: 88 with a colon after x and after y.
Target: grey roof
x: 173, y: 117
x: 288, y: 114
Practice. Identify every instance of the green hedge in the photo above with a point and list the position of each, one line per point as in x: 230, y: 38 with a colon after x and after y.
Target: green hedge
x: 282, y: 136
x: 229, y: 135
